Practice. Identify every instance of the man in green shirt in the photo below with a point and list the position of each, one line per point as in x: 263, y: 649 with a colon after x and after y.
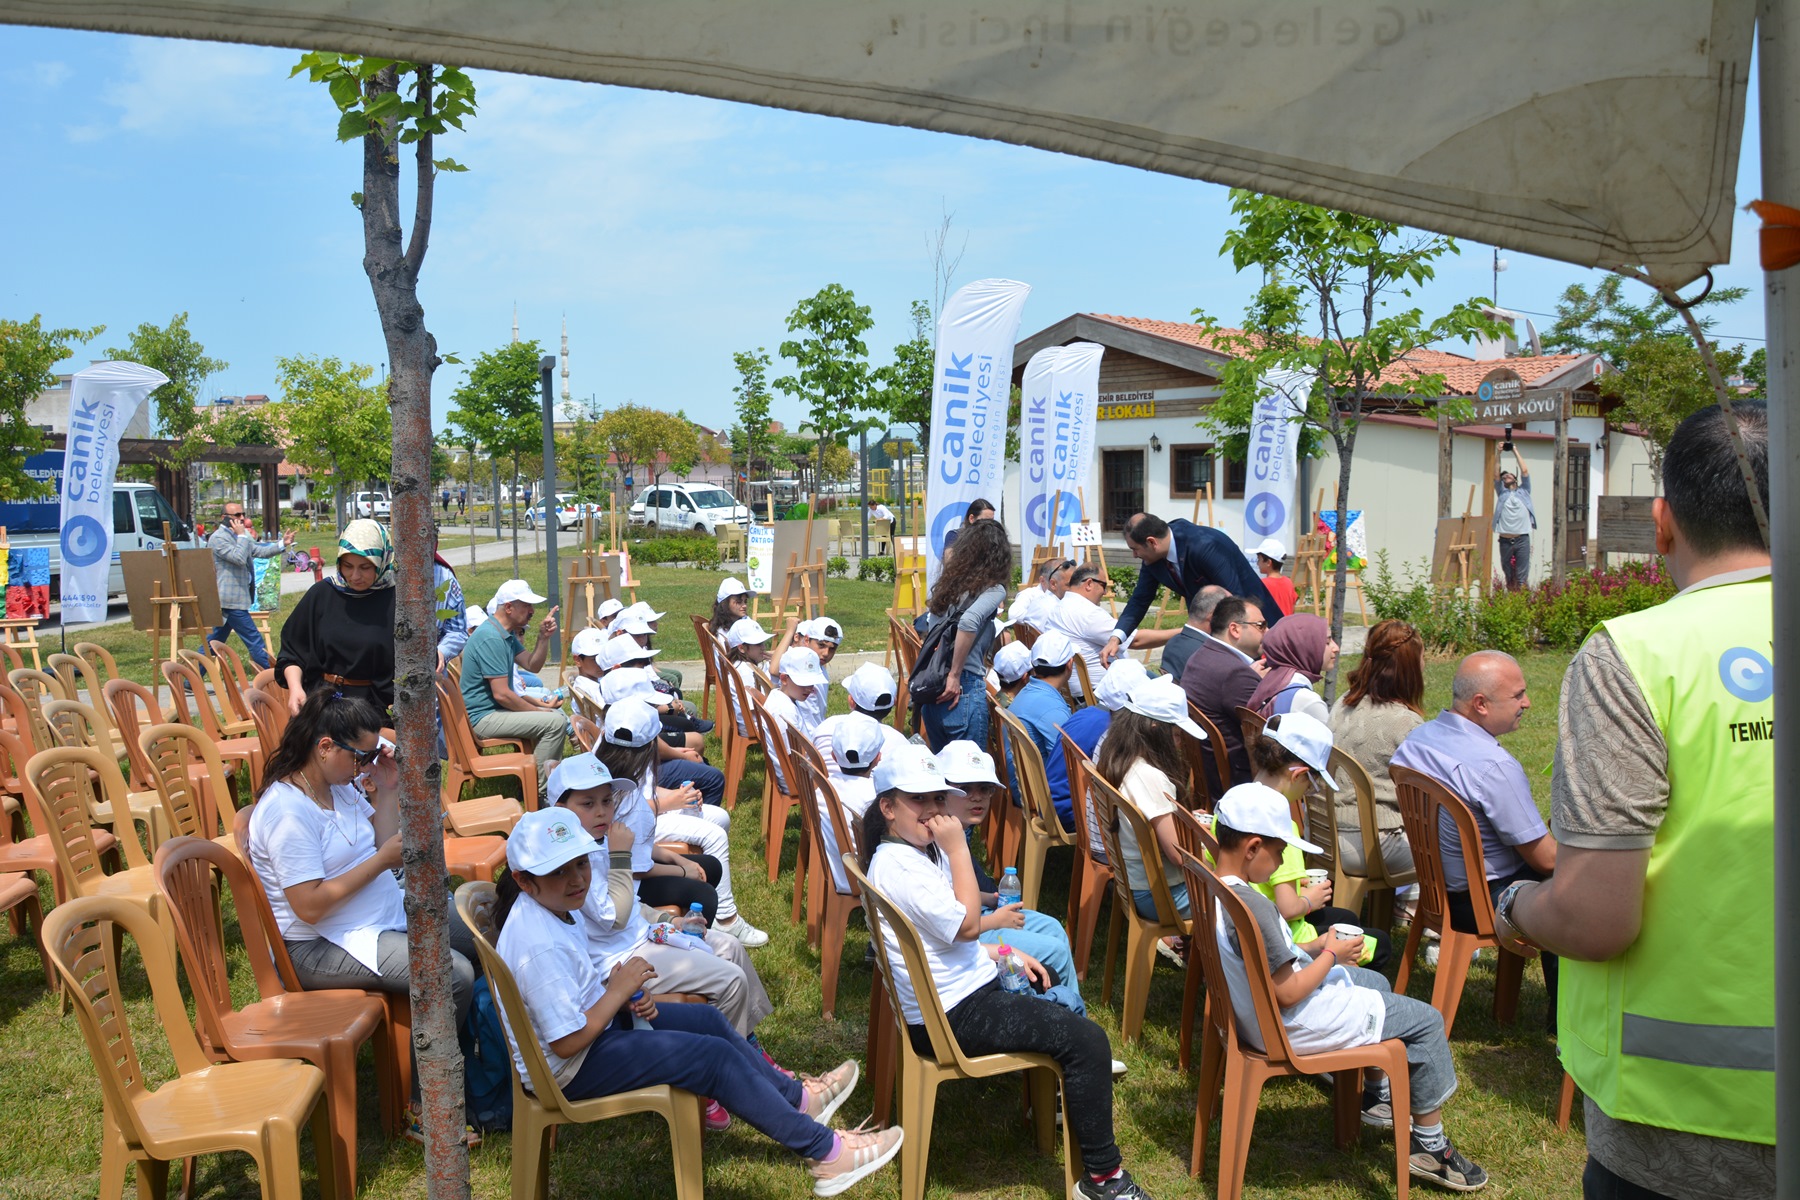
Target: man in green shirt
x: 489, y: 656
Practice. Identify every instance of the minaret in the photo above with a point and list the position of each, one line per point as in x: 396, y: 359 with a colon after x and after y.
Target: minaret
x: 565, y: 360
x: 515, y: 322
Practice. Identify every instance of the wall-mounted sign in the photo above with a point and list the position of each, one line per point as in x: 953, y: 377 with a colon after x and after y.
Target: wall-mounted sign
x: 1122, y: 412
x: 1502, y: 399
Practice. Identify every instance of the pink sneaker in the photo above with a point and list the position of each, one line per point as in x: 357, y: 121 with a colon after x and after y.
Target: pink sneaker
x: 715, y: 1119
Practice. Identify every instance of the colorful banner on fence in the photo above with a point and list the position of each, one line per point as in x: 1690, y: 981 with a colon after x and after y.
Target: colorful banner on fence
x: 102, y: 399
x: 972, y: 383
x: 1056, y: 442
x: 759, y: 557
x: 1273, y: 452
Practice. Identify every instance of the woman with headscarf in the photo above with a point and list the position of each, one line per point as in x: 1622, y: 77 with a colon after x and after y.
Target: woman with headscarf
x: 341, y: 634
x: 1297, y: 653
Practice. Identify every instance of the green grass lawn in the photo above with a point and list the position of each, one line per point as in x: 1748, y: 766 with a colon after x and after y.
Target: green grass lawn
x: 1502, y: 1116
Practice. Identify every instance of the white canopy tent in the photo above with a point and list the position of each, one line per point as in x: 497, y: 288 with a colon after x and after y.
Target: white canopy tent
x: 1599, y: 132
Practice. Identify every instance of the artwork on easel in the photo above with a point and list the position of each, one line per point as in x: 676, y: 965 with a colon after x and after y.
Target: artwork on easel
x: 1355, y: 540
x: 173, y: 594
x: 1084, y: 534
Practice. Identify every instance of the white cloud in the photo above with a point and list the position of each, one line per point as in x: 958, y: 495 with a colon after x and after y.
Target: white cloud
x: 50, y: 74
x: 177, y: 89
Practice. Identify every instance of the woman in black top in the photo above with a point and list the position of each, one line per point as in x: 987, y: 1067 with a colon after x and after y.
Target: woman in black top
x: 341, y: 634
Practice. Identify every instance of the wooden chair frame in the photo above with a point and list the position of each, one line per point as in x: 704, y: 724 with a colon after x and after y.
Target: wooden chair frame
x: 1141, y: 935
x: 828, y: 910
x: 1043, y: 830
x: 1091, y: 880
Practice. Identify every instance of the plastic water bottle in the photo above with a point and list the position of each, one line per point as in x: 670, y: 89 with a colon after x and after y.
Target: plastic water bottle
x: 1012, y: 972
x: 638, y: 1022
x: 695, y: 921
x: 1009, y: 887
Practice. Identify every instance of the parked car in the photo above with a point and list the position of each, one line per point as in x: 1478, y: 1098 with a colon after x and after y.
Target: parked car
x: 371, y: 504
x: 569, y: 511
x: 698, y: 506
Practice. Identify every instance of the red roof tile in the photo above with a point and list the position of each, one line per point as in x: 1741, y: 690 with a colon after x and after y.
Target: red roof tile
x: 1185, y: 332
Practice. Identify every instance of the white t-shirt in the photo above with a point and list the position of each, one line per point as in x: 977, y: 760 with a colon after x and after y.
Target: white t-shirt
x: 1154, y: 795
x: 854, y: 795
x: 608, y: 947
x: 789, y: 716
x: 1033, y: 605
x: 1336, y: 1015
x: 922, y: 890
x: 812, y: 709
x: 634, y: 813
x: 1086, y: 624
x: 589, y: 688
x: 548, y: 957
x: 891, y: 740
x: 294, y: 841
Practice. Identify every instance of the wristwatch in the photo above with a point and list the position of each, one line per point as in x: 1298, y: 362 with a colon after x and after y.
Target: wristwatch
x: 1506, y: 931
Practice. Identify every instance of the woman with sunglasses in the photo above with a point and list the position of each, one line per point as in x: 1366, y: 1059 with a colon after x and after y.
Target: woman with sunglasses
x: 325, y: 842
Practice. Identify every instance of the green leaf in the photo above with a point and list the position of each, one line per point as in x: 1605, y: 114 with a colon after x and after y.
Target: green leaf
x: 351, y: 126
x: 448, y: 164
x: 345, y: 92
x: 356, y: 198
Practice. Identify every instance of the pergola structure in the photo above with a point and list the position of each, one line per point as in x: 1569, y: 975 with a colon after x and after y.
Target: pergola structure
x: 172, y: 483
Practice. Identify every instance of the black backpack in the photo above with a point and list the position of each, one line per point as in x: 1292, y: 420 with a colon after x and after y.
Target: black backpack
x: 931, y: 670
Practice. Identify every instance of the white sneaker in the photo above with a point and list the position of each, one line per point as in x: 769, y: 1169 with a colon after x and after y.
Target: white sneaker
x: 1119, y: 1068
x: 740, y: 928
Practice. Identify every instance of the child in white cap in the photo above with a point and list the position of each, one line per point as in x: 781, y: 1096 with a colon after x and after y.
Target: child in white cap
x: 1011, y: 670
x: 917, y: 856
x: 1327, y: 1002
x: 583, y: 1018
x: 872, y: 691
x: 858, y: 745
x: 801, y: 676
x: 822, y: 636
x: 1142, y: 760
x: 730, y: 606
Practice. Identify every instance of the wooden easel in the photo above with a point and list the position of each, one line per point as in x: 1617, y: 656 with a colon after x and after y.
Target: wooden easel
x: 909, y: 562
x: 1094, y: 555
x: 19, y: 632
x: 805, y: 574
x: 167, y: 616
x: 1309, y: 555
x: 1463, y: 543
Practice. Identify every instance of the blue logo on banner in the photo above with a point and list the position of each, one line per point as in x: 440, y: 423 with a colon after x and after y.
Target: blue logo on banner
x: 945, y: 524
x: 1034, y: 514
x: 1747, y: 675
x: 83, y: 542
x: 1265, y: 514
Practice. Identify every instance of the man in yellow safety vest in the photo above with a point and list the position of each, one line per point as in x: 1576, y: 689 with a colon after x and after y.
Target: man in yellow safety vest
x: 1663, y: 808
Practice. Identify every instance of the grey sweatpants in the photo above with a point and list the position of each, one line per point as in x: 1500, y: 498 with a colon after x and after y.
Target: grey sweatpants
x: 1421, y: 1028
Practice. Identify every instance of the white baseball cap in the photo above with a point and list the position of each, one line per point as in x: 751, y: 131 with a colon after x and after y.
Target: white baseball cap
x: 871, y: 686
x: 1306, y: 738
x: 1116, y: 684
x: 913, y: 769
x: 1161, y: 699
x: 1273, y: 548
x: 631, y: 722
x: 731, y: 586
x: 545, y: 839
x: 621, y: 649
x: 856, y: 741
x: 587, y: 643
x: 821, y: 629
x: 608, y: 610
x: 745, y: 632
x: 474, y: 615
x: 1052, y: 649
x: 963, y: 761
x: 801, y: 665
x: 631, y: 626
x: 628, y: 683
x: 576, y: 773
x: 1012, y: 662
x: 511, y: 590
x: 644, y: 612
x: 1259, y: 809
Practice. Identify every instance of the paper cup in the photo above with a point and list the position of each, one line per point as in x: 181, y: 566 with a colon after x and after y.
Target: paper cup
x: 1206, y: 819
x: 1317, y: 875
x: 1349, y: 931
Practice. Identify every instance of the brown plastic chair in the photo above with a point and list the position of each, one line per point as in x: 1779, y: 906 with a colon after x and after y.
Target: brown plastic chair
x: 60, y: 792
x: 906, y: 642
x: 100, y: 659
x: 738, y: 729
x: 539, y: 1105
x: 920, y: 1075
x: 1230, y: 1062
x: 1196, y: 756
x: 708, y: 649
x: 466, y: 759
x: 199, y: 803
x: 586, y: 731
x: 474, y: 857
x: 1043, y: 828
x: 779, y: 796
x: 1091, y: 881
x: 1196, y: 839
x: 1004, y: 829
x: 1377, y: 884
x: 207, y: 1108
x: 1424, y: 803
x: 34, y: 854
x: 1084, y: 694
x: 233, y: 746
x: 828, y: 909
x: 34, y: 687
x: 480, y: 815
x: 1111, y: 808
x: 226, y: 670
x: 23, y: 907
x: 76, y: 724
x: 323, y: 1027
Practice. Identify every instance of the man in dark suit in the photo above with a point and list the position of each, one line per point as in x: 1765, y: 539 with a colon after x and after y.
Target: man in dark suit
x: 1183, y: 557
x: 1220, y: 676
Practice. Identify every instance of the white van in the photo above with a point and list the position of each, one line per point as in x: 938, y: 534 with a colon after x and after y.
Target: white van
x: 699, y: 506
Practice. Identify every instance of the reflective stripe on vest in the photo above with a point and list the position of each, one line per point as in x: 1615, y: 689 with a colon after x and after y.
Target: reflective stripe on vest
x: 1678, y: 1031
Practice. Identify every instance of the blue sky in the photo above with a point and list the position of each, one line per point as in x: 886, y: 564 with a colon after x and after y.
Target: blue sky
x: 150, y: 177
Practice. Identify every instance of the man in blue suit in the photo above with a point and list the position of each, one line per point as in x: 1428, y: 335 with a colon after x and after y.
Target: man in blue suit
x: 1183, y: 557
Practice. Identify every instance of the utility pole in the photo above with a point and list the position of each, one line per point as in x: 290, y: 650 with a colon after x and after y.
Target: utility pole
x: 546, y: 373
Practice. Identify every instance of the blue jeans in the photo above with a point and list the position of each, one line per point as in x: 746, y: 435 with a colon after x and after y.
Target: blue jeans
x: 966, y: 720
x: 693, y: 1046
x: 237, y: 620
x: 1146, y: 900
x: 1421, y: 1028
x: 709, y: 779
x: 1043, y: 938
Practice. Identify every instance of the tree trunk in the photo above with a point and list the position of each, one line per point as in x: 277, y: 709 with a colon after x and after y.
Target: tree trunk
x: 515, y: 515
x: 393, y: 277
x: 1346, y: 454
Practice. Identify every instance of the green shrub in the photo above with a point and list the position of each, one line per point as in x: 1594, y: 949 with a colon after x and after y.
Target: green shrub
x: 879, y: 569
x: 837, y: 566
x: 695, y: 548
x: 1124, y: 579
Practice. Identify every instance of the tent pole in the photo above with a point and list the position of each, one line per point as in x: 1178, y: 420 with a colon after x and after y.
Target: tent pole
x: 1778, y: 52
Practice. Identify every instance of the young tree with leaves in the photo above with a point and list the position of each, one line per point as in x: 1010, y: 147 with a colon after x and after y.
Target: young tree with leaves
x: 28, y: 357
x: 832, y: 377
x: 500, y: 405
x: 753, y: 398
x: 173, y: 350
x: 387, y: 105
x: 1322, y: 318
x: 338, y: 422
